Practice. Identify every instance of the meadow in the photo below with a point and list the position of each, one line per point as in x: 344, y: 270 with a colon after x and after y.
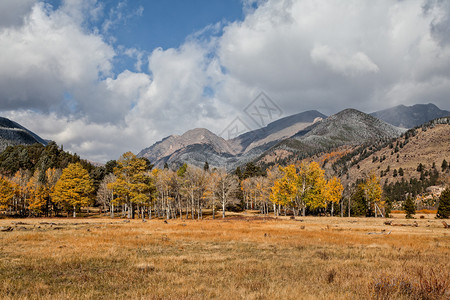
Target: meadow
x: 241, y: 257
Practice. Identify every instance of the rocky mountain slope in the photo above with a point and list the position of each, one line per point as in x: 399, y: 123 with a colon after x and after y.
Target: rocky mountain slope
x: 427, y: 146
x: 410, y: 116
x: 12, y: 133
x: 348, y: 127
x: 200, y: 145
x: 305, y: 133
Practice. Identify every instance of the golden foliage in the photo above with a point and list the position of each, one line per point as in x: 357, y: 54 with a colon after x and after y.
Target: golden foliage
x: 6, y: 193
x: 74, y: 187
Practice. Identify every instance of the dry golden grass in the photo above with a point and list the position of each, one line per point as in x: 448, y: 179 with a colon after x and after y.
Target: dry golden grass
x: 239, y: 257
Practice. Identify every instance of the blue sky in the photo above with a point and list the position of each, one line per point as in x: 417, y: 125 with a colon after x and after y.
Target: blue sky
x: 103, y: 77
x: 166, y: 23
x: 149, y: 24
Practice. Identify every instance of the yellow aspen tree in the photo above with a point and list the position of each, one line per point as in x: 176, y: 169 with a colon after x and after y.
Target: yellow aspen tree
x: 132, y: 181
x: 6, y: 193
x: 372, y: 192
x: 74, y: 188
x: 36, y: 194
x: 285, y: 189
x: 311, y: 186
x: 333, y: 192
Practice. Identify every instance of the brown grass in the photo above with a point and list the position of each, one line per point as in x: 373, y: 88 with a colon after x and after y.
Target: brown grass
x: 236, y: 258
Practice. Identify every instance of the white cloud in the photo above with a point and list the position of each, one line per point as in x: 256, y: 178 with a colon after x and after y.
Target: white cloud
x: 350, y: 65
x: 56, y: 75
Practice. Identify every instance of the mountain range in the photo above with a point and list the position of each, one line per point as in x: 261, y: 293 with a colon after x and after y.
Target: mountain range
x: 301, y: 134
x: 12, y: 133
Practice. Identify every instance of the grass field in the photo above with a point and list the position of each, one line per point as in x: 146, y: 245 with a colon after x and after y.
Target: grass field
x: 237, y: 258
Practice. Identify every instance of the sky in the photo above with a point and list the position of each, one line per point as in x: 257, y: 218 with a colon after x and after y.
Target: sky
x: 105, y: 77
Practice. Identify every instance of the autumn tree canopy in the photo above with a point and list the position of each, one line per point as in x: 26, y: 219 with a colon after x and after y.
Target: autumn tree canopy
x: 74, y: 188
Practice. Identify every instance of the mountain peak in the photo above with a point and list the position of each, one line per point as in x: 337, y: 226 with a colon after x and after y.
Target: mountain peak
x: 349, y: 126
x: 410, y: 116
x: 12, y: 133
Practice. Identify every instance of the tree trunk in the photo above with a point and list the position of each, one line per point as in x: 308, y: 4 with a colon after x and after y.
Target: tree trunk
x: 74, y: 212
x: 332, y: 208
x: 214, y: 212
x: 112, y: 210
x: 349, y: 206
x: 303, y: 210
x: 223, y: 209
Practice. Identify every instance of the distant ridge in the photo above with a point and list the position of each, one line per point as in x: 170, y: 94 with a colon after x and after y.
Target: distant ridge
x: 304, y: 132
x: 12, y: 133
x: 410, y: 116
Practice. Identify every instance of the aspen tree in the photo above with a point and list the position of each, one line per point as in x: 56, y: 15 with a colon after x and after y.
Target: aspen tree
x: 74, y: 187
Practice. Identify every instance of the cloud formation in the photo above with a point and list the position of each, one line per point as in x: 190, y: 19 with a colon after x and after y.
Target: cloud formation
x: 57, y: 70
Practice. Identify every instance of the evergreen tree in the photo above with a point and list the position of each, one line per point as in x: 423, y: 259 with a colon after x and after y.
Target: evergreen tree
x: 182, y: 170
x: 109, y: 166
x: 444, y: 165
x: 252, y: 170
x: 400, y: 172
x: 409, y: 207
x: 358, y: 202
x: 238, y: 173
x: 206, y: 166
x: 420, y: 168
x: 444, y: 205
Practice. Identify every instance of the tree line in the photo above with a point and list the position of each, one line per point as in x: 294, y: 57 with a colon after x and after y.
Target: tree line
x: 130, y: 186
x: 57, y: 183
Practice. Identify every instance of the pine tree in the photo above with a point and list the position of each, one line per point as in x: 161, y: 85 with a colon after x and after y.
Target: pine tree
x: 206, y: 166
x: 444, y: 205
x: 444, y: 165
x: 409, y: 207
x: 358, y: 202
x: 182, y: 170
